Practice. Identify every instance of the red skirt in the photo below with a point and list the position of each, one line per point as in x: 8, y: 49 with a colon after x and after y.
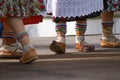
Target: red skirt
x: 29, y: 20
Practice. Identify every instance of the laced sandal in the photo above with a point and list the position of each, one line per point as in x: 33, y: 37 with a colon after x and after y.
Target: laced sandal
x: 83, y: 46
x: 57, y: 47
x: 11, y: 51
x: 29, y: 57
x: 108, y: 44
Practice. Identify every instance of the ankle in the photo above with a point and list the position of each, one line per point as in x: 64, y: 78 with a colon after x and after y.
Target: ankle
x: 79, y: 39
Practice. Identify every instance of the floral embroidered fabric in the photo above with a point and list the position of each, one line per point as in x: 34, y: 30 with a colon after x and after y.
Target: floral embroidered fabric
x: 30, y: 11
x: 21, y: 8
x: 112, y: 5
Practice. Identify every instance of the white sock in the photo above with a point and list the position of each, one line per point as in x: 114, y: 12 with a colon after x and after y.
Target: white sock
x: 61, y: 39
x: 78, y: 39
x: 26, y: 48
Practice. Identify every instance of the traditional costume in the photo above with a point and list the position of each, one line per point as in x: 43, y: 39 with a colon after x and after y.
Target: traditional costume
x: 72, y: 10
x: 31, y: 12
x: 108, y: 39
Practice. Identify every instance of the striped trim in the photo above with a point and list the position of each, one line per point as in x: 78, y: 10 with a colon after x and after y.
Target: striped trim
x: 78, y: 29
x: 57, y: 25
x: 81, y: 24
x: 8, y: 35
x: 21, y: 35
x: 60, y: 27
x: 108, y: 24
x: 81, y: 27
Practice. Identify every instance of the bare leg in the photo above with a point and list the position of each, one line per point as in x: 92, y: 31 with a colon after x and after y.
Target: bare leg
x: 17, y: 26
x: 10, y: 47
x: 59, y: 45
x: 8, y: 35
x: 81, y: 45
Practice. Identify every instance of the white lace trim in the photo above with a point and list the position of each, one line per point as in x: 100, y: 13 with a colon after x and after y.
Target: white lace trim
x: 68, y: 8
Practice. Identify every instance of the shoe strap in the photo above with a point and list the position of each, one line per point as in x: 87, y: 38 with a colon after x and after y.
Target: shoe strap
x: 11, y: 47
x: 83, y: 43
x: 117, y: 40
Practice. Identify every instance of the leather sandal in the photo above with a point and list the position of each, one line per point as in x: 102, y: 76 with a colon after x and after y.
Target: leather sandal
x: 29, y: 57
x: 11, y: 51
x: 58, y: 47
x: 83, y: 46
x: 108, y: 44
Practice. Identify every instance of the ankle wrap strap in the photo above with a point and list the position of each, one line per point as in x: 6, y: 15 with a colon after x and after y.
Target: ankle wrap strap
x: 61, y: 39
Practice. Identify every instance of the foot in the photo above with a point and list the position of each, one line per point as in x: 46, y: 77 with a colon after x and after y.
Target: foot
x: 10, y: 51
x: 58, y: 47
x: 110, y: 44
x: 83, y: 46
x: 29, y: 57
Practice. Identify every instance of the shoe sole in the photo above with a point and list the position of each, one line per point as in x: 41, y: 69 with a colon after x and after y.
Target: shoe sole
x: 105, y: 46
x: 4, y: 55
x: 30, y: 60
x: 86, y: 50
